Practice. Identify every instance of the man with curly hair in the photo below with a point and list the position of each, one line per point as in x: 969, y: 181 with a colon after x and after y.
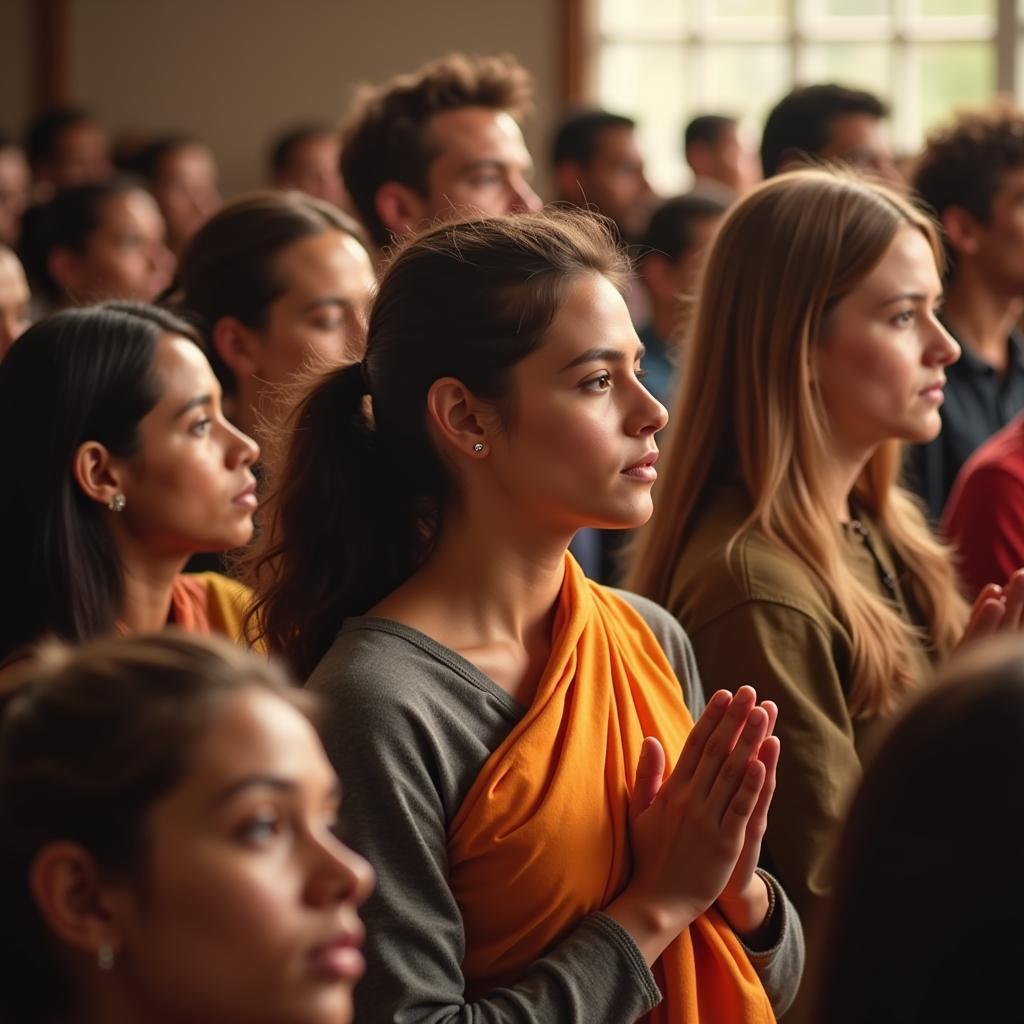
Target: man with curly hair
x: 440, y: 142
x: 971, y: 176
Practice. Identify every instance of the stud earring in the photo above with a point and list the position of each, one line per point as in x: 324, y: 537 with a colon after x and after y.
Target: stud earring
x: 479, y: 447
x: 105, y: 957
x: 117, y: 502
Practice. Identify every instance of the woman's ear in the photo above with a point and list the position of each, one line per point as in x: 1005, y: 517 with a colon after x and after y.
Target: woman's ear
x: 64, y: 266
x: 69, y: 894
x: 462, y: 423
x: 237, y: 347
x: 96, y: 473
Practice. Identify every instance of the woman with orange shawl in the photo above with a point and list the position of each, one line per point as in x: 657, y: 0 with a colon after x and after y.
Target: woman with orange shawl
x: 506, y: 729
x: 119, y: 467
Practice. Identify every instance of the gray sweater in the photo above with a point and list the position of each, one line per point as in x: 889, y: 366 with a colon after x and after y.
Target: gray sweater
x: 408, y: 725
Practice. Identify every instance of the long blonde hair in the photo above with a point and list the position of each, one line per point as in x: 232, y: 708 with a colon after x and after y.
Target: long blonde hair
x: 783, y: 258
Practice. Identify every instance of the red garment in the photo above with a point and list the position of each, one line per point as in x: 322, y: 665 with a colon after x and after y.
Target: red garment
x: 984, y: 516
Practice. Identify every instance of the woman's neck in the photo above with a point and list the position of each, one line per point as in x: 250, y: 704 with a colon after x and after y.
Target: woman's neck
x: 838, y: 477
x: 148, y: 582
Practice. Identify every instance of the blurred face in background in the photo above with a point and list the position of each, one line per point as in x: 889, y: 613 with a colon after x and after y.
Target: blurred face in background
x: 15, y: 181
x: 313, y: 168
x: 14, y: 301
x: 185, y: 188
x: 124, y: 258
x: 81, y: 156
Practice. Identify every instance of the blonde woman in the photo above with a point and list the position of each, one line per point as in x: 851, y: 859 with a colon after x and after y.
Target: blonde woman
x: 781, y: 539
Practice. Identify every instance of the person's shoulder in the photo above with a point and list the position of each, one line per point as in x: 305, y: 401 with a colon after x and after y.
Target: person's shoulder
x: 659, y: 620
x: 1002, y: 453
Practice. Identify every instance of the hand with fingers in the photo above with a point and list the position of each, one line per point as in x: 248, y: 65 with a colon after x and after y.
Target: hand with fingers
x: 997, y: 610
x: 697, y: 833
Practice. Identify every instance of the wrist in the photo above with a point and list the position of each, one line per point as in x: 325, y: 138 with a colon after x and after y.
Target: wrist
x: 651, y: 923
x: 748, y: 911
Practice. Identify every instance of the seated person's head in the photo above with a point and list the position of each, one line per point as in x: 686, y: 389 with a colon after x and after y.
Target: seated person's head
x: 275, y: 280
x: 14, y: 300
x: 940, y: 800
x: 167, y: 813
x: 599, y: 165
x: 110, y: 420
x: 182, y: 176
x: 68, y: 146
x: 308, y: 158
x: 828, y: 123
x: 440, y: 143
x: 672, y: 253
x: 96, y: 242
x: 15, y: 182
x: 971, y: 175
x: 715, y: 152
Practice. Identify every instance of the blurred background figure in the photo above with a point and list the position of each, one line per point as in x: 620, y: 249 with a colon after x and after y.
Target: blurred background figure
x: 181, y: 174
x: 15, y: 300
x: 671, y: 257
x: 67, y: 146
x: 274, y: 282
x: 940, y: 800
x: 441, y: 142
x: 308, y: 158
x: 828, y: 122
x: 15, y: 187
x: 598, y: 165
x: 96, y: 242
x: 724, y: 166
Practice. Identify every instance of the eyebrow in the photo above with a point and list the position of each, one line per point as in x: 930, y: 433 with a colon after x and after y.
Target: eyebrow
x: 600, y: 355
x: 275, y: 782
x: 327, y: 300
x: 193, y: 404
x: 490, y: 163
x: 912, y: 297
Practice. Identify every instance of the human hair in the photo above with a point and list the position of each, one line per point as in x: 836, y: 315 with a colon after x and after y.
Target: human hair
x: 963, y: 162
x: 801, y: 122
x: 357, y: 505
x: 748, y: 409
x: 670, y: 230
x: 79, y: 375
x: 579, y: 135
x: 230, y: 266
x: 68, y: 221
x: 388, y: 138
x: 282, y: 150
x: 706, y: 128
x: 90, y: 740
x: 933, y: 839
x: 43, y: 136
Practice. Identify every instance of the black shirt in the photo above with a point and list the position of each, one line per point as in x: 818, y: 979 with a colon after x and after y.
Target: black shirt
x: 978, y: 402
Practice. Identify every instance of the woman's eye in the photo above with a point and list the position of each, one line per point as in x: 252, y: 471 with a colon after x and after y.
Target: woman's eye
x: 902, y: 319
x: 602, y: 383
x: 201, y: 427
x: 641, y: 373
x: 260, y: 830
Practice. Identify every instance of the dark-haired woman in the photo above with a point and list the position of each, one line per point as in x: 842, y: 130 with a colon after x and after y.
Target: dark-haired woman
x: 274, y: 281
x: 940, y: 802
x: 166, y: 812
x: 507, y: 724
x: 92, y: 243
x: 120, y: 465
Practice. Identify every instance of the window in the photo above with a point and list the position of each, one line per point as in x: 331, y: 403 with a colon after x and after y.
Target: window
x: 663, y: 61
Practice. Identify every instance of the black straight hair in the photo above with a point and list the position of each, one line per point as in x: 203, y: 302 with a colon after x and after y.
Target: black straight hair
x: 79, y: 375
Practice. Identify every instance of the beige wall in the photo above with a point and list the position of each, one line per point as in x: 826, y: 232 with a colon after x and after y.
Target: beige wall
x: 234, y: 72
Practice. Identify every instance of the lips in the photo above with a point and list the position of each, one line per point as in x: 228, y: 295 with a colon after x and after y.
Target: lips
x: 646, y: 462
x: 247, y: 496
x: 340, y: 957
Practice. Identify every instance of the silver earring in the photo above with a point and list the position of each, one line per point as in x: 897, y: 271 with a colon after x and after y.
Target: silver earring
x: 479, y: 447
x: 117, y: 502
x: 105, y: 957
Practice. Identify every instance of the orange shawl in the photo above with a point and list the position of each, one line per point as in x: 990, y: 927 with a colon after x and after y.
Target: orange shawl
x: 542, y: 838
x: 206, y: 602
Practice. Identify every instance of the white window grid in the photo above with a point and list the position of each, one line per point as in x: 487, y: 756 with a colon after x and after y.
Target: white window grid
x: 693, y: 28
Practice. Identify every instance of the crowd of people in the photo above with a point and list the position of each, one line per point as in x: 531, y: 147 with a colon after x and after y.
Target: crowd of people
x: 351, y: 482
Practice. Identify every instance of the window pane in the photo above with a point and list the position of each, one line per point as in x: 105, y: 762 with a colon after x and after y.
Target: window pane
x: 747, y: 8
x: 954, y: 8
x: 643, y: 17
x: 858, y: 65
x: 954, y: 75
x: 744, y: 81
x: 818, y: 9
x: 649, y: 84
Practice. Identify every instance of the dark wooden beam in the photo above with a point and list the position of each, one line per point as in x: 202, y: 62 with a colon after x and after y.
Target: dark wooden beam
x: 579, y: 32
x: 51, y: 54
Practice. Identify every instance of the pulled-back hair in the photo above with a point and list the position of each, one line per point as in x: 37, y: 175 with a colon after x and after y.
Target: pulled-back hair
x: 939, y: 801
x: 747, y: 408
x: 358, y: 501
x: 230, y: 267
x: 79, y: 375
x: 90, y: 740
x: 388, y: 136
